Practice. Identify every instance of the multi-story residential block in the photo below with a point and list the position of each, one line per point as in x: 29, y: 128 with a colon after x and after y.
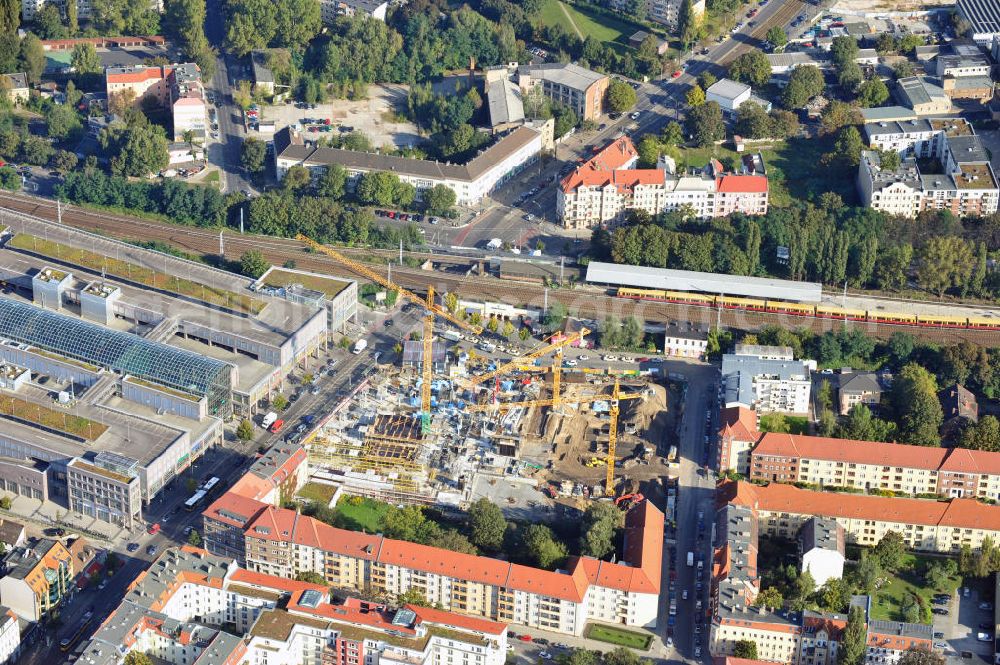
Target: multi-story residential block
x: 180, y: 609
x: 30, y: 8
x: 967, y: 186
x: 855, y: 388
x: 471, y: 181
x: 38, y: 578
x: 10, y: 636
x: 665, y: 11
x: 766, y: 386
x: 820, y: 638
x: 175, y: 87
x: 106, y: 487
x: 821, y: 549
x: 602, y: 189
x: 921, y: 138
x: 580, y: 89
x: 331, y: 9
x: 889, y: 640
x: 869, y: 466
x: 284, y: 543
x: 737, y: 436
x: 925, y: 525
x: 764, y: 352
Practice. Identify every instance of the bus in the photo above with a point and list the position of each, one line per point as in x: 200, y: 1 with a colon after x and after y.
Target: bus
x: 67, y: 643
x: 195, y: 500
x: 210, y: 485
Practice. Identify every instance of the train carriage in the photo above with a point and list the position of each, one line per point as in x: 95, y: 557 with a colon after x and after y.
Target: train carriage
x: 825, y: 312
x: 984, y: 323
x: 943, y: 321
x: 791, y: 308
x: 744, y: 303
x: 892, y: 317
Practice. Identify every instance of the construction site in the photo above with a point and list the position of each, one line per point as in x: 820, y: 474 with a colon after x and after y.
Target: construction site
x: 529, y: 432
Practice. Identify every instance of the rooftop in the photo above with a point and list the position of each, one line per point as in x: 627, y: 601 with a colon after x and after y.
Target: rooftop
x: 920, y: 90
x: 967, y: 148
x: 728, y: 88
x: 567, y: 74
x: 505, y: 104
x: 687, y: 280
x: 984, y: 15
x: 975, y: 176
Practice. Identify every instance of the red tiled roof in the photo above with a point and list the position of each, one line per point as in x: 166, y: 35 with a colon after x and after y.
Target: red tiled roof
x: 252, y: 486
x: 139, y: 75
x: 963, y: 513
x: 639, y: 574
x: 234, y: 509
x: 740, y: 423
x: 741, y: 184
x: 622, y: 179
x: 596, y: 170
x: 251, y: 578
x: 847, y: 450
x: 443, y: 618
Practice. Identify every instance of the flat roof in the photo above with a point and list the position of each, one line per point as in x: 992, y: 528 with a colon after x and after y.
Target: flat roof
x: 727, y: 88
x: 284, y: 277
x: 567, y: 74
x: 705, y: 282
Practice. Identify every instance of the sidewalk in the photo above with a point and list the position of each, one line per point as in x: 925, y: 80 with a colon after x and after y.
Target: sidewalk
x: 657, y: 651
x: 47, y: 514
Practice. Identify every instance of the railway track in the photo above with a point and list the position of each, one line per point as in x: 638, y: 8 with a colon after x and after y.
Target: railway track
x: 585, y: 302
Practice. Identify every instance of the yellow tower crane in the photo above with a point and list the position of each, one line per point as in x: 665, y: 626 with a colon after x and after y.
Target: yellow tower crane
x: 615, y: 399
x: 514, y: 363
x: 431, y: 307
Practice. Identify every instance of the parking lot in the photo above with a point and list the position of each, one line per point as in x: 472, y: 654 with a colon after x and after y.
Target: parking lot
x: 967, y: 617
x: 374, y: 117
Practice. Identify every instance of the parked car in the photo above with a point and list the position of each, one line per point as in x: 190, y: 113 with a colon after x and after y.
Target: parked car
x: 132, y: 547
x: 151, y: 550
x: 940, y: 611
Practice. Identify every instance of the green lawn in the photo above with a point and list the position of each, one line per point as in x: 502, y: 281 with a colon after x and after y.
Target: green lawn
x: 619, y: 636
x: 888, y: 601
x: 793, y: 165
x: 776, y: 422
x: 364, y: 514
x: 317, y: 493
x: 607, y: 29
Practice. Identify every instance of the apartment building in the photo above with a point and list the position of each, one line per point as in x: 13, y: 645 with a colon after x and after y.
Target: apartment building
x: 176, y: 87
x: 180, y: 609
x: 967, y: 186
x: 737, y: 436
x: 855, y: 388
x: 472, y: 181
x: 38, y: 578
x: 821, y: 549
x: 580, y: 89
x: 926, y: 525
x: 602, y: 189
x: 665, y: 11
x: 764, y: 351
x: 10, y: 636
x: 685, y: 341
x: 889, y: 640
x: 921, y: 138
x: 30, y: 8
x: 820, y: 639
x: 284, y: 543
x: 106, y: 487
x: 330, y: 9
x: 766, y: 386
x: 870, y: 466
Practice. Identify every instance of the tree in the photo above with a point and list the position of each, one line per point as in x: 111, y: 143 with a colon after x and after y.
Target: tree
x: 861, y: 425
x: 769, y: 598
x: 849, y: 145
x: 777, y: 36
x: 745, y: 649
x: 873, y: 92
x: 600, y: 522
x: 753, y: 122
x: 62, y: 122
x: 850, y: 77
x: 439, y: 199
x: 705, y: 124
x: 917, y: 656
x: 332, y: 182
x: 915, y: 403
x: 837, y: 114
x: 244, y: 431
x: 194, y: 538
x: 32, y: 57
x: 902, y: 69
x: 982, y: 435
x: 10, y: 17
x: 890, y: 550
x: 620, y: 97
x: 695, y: 96
x: 412, y: 596
x: 804, y: 83
x: 944, y: 263
x: 853, y: 641
x: 48, y: 23
x: 844, y: 49
x: 487, y: 525
x: 253, y: 264
x: 85, y: 59
x: 9, y: 179
x: 35, y: 150
x: 377, y: 188
x: 835, y: 594
x: 253, y: 154
x: 312, y: 577
x: 279, y: 402
x: 752, y: 68
x: 621, y: 656
x: 555, y: 315
x: 541, y: 547
x: 141, y: 149
x: 137, y: 658
x: 687, y: 24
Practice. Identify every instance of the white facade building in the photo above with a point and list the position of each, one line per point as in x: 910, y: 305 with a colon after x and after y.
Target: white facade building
x: 821, y: 546
x: 685, y: 341
x: 471, y: 181
x: 766, y: 385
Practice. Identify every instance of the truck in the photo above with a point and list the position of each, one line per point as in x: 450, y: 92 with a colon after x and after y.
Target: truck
x: 451, y: 336
x: 359, y: 346
x: 690, y: 558
x: 269, y: 419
